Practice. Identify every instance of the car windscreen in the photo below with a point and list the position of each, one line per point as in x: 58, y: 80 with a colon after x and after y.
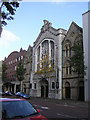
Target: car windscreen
x: 17, y: 109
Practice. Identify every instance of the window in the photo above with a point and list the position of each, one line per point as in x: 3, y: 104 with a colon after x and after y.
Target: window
x: 70, y: 71
x: 21, y: 57
x: 38, y: 53
x: 66, y: 51
x: 70, y: 52
x: 67, y: 70
x: 30, y: 85
x: 34, y: 85
x: 53, y: 85
x: 15, y: 67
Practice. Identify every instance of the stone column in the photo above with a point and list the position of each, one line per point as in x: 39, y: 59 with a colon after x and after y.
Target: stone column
x: 15, y: 88
x: 35, y: 60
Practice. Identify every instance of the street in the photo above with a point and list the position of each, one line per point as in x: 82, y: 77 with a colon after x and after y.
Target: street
x: 55, y: 109
x: 60, y: 109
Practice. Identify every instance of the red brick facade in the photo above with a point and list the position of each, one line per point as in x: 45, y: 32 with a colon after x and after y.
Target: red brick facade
x: 12, y: 62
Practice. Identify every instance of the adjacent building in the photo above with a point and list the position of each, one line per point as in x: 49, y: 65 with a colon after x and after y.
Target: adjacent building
x: 12, y: 61
x: 86, y: 41
x: 28, y: 67
x: 1, y: 75
x: 73, y: 86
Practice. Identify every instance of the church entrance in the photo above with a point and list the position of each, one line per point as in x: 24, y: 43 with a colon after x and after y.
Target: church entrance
x: 42, y: 91
x: 44, y: 88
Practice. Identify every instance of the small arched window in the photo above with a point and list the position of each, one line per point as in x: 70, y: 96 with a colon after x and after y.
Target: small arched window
x: 53, y: 85
x: 66, y: 51
x: 67, y: 70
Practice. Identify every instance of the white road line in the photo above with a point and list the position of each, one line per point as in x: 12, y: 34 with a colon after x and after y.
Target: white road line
x: 69, y: 106
x: 46, y: 108
x: 65, y: 105
x: 67, y: 116
x: 43, y: 107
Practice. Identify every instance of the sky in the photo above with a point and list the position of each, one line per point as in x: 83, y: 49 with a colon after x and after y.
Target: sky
x: 28, y: 20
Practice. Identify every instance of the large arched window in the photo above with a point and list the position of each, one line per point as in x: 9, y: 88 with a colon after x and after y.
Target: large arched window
x: 45, y: 48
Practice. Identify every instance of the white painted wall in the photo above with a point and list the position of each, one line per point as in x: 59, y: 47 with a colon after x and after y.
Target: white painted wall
x: 86, y: 36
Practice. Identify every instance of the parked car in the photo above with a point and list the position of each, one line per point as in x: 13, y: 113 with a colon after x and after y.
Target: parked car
x: 8, y: 93
x: 23, y: 95
x: 19, y: 109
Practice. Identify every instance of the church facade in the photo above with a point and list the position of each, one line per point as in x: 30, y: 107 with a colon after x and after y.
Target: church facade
x: 48, y: 42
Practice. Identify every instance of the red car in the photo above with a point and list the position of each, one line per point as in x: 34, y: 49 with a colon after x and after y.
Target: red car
x: 18, y: 109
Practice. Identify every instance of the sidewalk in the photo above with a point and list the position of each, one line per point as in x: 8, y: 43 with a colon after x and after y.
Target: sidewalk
x: 64, y: 102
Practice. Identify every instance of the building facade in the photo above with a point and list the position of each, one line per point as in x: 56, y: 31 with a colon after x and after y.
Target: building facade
x: 28, y: 67
x: 48, y: 42
x: 12, y: 61
x: 1, y: 75
x: 86, y: 41
x: 73, y: 88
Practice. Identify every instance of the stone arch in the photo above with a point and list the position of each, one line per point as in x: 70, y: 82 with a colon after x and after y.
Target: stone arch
x: 43, y: 87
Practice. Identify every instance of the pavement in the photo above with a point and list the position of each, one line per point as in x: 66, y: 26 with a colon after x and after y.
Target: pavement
x: 64, y: 102
x: 57, y: 101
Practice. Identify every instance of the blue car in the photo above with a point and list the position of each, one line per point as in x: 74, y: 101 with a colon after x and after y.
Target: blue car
x: 21, y: 94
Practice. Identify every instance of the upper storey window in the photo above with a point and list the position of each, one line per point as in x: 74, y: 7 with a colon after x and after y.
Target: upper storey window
x: 21, y: 57
x: 66, y: 51
x: 45, y: 48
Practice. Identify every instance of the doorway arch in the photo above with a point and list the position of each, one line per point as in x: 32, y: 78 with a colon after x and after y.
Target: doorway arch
x: 67, y: 90
x: 81, y: 91
x: 44, y: 88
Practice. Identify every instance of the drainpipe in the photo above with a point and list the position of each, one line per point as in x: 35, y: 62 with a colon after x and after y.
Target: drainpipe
x: 62, y: 69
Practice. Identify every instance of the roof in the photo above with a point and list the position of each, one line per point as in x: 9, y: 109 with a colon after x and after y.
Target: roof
x: 10, y: 99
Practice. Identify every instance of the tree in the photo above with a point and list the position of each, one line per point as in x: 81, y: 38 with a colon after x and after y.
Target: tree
x: 4, y: 73
x: 77, y: 63
x: 45, y: 67
x: 77, y: 60
x: 20, y: 71
x: 7, y: 10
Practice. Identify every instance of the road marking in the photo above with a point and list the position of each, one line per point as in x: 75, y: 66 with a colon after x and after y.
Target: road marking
x: 43, y: 107
x: 68, y: 116
x: 65, y: 105
x: 69, y: 106
x: 46, y: 108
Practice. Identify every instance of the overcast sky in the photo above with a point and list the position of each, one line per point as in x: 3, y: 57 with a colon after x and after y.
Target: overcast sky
x: 28, y: 20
